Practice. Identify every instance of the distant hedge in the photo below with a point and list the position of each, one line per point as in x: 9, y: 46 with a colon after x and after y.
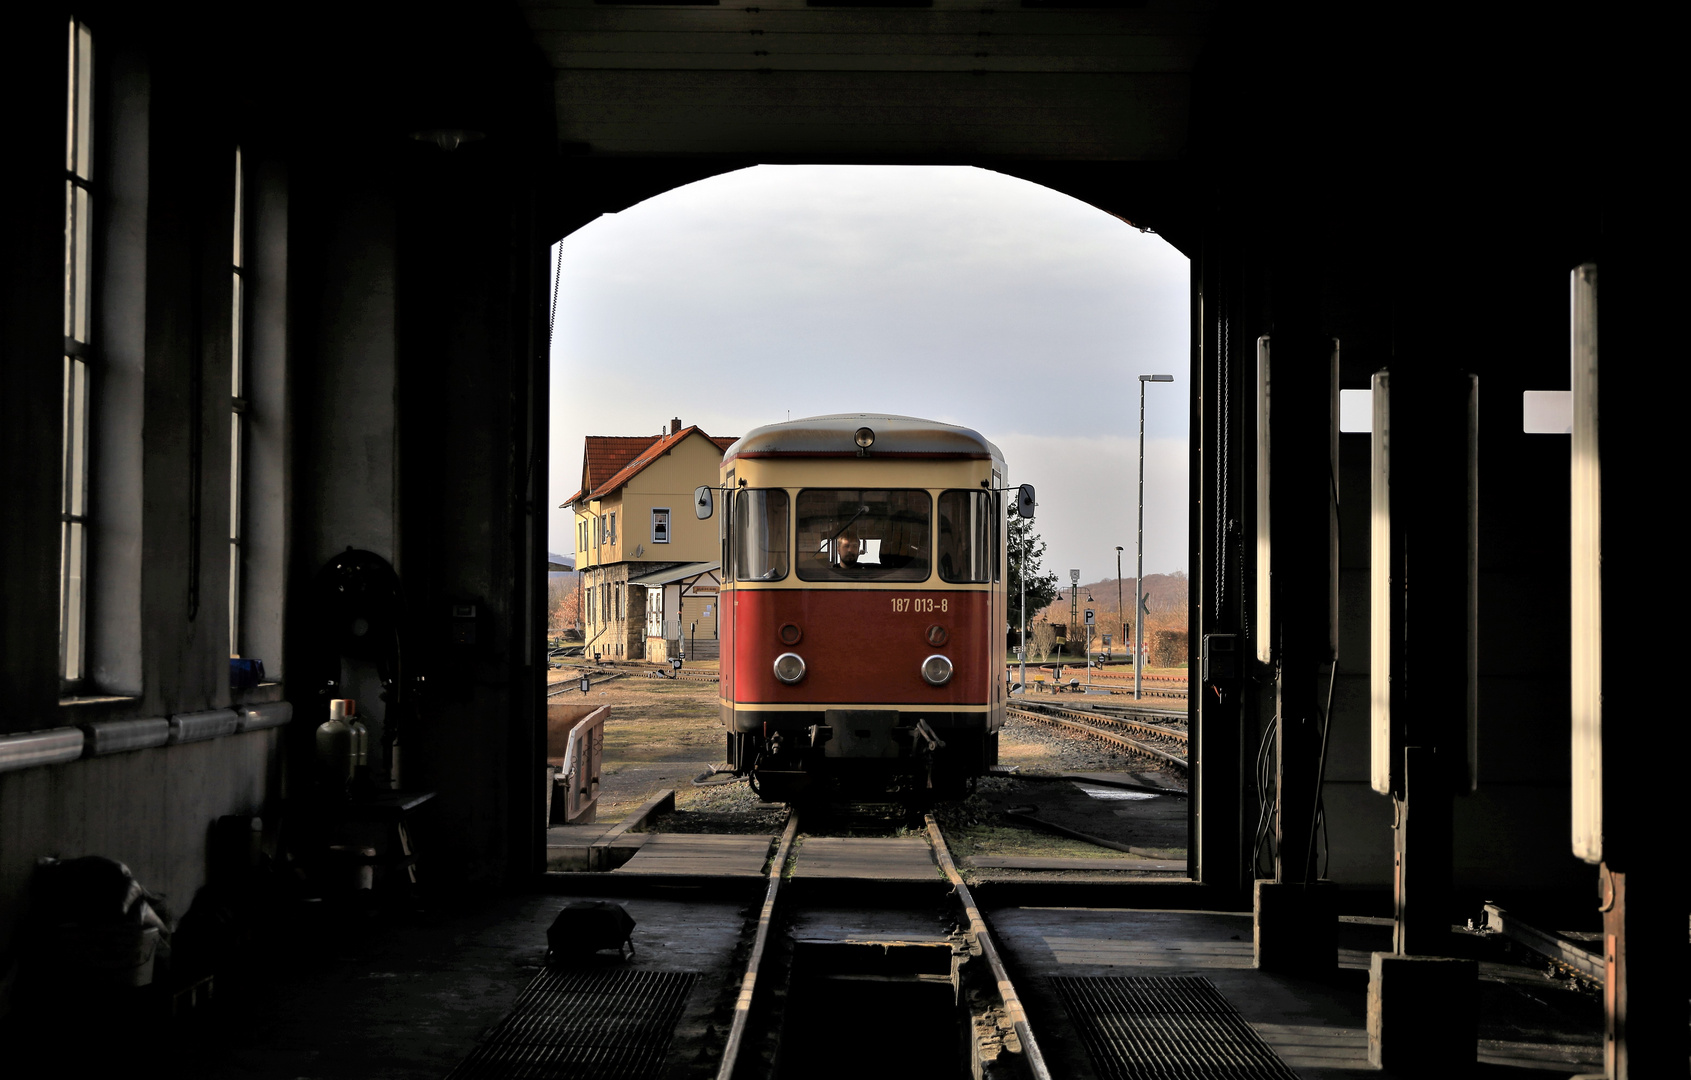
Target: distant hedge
x: 1168, y: 648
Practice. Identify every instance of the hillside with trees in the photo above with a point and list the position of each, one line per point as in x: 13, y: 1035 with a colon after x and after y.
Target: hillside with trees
x: 1166, y: 597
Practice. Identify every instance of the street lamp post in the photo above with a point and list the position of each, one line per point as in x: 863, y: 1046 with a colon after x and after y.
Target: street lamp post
x: 1139, y: 654
x: 1121, y: 609
x: 1022, y: 641
x: 1074, y: 605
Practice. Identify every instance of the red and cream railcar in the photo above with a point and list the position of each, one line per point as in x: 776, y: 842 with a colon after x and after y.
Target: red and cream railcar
x: 863, y: 606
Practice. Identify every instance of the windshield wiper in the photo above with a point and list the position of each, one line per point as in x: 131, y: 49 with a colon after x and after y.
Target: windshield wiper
x: 861, y: 510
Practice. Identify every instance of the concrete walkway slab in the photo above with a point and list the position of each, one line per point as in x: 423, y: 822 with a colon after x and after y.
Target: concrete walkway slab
x: 701, y: 854
x: 892, y: 858
x: 1317, y: 1027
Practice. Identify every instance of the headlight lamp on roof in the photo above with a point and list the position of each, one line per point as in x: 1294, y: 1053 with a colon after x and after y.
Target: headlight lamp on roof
x: 864, y: 437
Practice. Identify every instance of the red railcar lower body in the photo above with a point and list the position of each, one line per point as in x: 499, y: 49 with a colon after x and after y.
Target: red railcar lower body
x: 865, y: 714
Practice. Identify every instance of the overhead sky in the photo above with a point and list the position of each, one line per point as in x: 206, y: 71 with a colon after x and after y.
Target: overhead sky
x: 956, y: 294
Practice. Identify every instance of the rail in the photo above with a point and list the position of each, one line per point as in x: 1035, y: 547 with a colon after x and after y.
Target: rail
x: 982, y: 937
x: 760, y: 941
x: 1090, y: 729
x: 1145, y: 726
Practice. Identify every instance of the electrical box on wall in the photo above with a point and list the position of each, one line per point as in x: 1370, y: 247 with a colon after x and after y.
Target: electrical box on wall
x: 1221, y: 658
x: 463, y: 624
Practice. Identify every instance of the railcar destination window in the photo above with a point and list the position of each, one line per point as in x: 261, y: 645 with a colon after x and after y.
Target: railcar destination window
x: 760, y: 534
x: 859, y: 534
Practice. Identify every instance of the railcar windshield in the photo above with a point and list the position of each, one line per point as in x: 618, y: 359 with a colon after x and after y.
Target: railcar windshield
x: 858, y: 534
x: 760, y: 534
x: 966, y: 534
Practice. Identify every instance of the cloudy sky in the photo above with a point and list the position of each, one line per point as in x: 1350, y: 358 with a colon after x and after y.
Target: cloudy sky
x: 956, y: 294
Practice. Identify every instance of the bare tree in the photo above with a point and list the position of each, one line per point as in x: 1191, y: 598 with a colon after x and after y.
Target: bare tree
x: 1044, y: 638
x: 563, y: 602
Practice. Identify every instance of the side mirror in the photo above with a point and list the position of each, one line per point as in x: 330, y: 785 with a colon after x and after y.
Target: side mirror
x: 1024, y: 501
x: 704, y: 502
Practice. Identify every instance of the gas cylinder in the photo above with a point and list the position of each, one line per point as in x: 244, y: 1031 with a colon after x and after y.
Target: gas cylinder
x: 335, y: 753
x: 360, y: 738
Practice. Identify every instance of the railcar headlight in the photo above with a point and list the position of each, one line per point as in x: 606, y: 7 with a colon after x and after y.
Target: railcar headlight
x: 864, y: 437
x: 789, y: 668
x: 936, y: 670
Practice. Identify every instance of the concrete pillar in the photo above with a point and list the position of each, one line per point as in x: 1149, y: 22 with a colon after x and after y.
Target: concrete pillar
x: 1296, y: 927
x: 1420, y: 1003
x: 1422, y: 1014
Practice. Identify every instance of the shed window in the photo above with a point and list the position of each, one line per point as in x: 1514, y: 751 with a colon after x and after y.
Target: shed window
x: 237, y: 405
x: 78, y: 354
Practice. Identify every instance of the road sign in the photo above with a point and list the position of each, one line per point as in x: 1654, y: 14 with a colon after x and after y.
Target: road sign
x: 1090, y: 620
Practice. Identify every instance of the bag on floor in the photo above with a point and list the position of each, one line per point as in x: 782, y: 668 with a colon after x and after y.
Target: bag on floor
x: 588, y: 927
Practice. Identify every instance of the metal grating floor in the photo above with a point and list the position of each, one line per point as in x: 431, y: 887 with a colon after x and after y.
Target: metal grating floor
x: 612, y: 1024
x: 1165, y: 1028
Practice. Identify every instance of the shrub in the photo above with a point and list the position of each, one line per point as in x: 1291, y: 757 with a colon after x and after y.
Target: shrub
x: 1168, y: 648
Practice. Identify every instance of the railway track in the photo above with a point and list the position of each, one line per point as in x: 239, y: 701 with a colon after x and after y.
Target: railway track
x: 599, y: 675
x: 1162, y: 743
x: 1155, y: 686
x: 770, y: 972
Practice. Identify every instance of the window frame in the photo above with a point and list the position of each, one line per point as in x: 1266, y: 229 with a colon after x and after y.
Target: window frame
x: 238, y: 405
x: 873, y: 576
x: 668, y: 521
x: 80, y: 359
x: 737, y: 532
x: 987, y: 558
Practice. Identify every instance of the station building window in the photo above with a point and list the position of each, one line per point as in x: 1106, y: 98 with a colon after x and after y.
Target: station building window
x: 660, y: 525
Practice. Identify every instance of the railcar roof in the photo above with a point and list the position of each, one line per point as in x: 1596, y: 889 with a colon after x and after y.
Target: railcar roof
x: 895, y: 436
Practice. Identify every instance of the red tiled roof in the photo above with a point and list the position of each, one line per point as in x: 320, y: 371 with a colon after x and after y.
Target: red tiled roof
x: 622, y: 458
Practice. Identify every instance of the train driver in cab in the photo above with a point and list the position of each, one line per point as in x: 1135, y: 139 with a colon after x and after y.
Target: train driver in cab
x: 850, y: 549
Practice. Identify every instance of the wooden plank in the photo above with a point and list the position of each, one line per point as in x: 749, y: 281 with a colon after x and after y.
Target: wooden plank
x: 1186, y: 50
x: 898, y: 858
x: 747, y: 59
x: 733, y: 18
x: 700, y: 855
x: 1037, y: 862
x: 1081, y: 91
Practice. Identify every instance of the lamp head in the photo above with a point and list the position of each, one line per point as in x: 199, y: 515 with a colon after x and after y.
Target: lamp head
x: 1156, y: 378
